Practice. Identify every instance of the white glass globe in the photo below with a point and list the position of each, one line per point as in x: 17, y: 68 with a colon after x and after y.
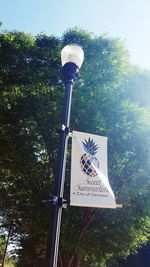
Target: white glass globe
x: 72, y: 53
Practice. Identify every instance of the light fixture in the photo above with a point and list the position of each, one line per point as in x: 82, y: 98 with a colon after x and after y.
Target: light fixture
x: 72, y: 53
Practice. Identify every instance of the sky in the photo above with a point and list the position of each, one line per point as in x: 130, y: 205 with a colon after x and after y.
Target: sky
x: 127, y: 19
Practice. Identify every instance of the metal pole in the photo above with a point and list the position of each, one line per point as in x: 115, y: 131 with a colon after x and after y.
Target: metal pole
x: 70, y: 71
x: 6, y: 245
x: 60, y: 176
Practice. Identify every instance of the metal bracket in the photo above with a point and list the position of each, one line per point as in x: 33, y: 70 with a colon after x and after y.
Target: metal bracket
x: 63, y: 129
x: 58, y: 201
x: 70, y: 134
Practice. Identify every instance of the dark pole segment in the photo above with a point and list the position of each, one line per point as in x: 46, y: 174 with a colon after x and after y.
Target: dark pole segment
x: 59, y: 183
x: 70, y: 71
x: 6, y: 245
x: 60, y: 177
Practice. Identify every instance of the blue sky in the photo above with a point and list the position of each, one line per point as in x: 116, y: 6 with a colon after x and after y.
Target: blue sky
x: 127, y: 19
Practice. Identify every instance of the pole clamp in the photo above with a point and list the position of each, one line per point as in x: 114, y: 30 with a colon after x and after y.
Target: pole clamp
x: 58, y: 201
x: 63, y: 129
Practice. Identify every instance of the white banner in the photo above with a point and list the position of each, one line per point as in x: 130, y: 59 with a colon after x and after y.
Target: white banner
x: 89, y: 173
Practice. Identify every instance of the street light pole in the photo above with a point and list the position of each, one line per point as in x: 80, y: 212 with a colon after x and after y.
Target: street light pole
x: 72, y: 57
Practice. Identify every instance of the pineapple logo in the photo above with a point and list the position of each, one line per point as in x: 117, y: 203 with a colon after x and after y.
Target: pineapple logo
x: 88, y: 160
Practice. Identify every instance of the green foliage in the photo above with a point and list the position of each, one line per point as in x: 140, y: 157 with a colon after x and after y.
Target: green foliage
x: 2, y: 246
x: 31, y: 101
x: 139, y: 87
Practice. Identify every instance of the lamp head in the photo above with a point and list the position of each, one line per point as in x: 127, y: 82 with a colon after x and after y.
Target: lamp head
x: 72, y: 57
x: 72, y: 53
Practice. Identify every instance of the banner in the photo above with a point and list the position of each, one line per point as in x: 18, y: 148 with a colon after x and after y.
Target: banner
x: 89, y: 173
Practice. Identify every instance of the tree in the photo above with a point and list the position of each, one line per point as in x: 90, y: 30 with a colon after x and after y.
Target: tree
x: 30, y: 109
x: 139, y: 87
x: 2, y: 247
